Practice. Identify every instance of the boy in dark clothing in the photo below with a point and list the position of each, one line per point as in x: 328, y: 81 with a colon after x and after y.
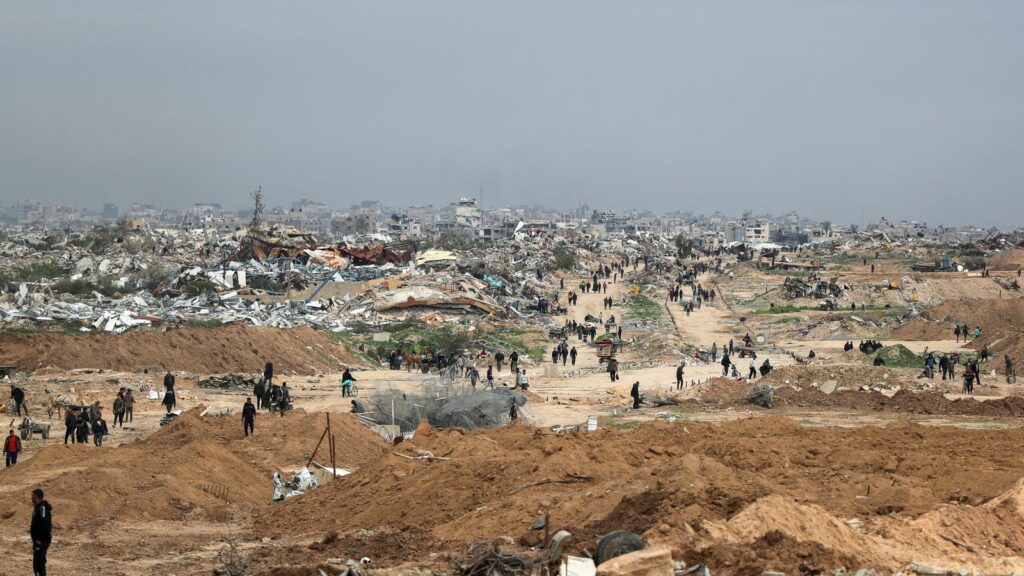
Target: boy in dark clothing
x: 41, y: 531
x: 82, y: 428
x: 248, y: 417
x: 99, y: 430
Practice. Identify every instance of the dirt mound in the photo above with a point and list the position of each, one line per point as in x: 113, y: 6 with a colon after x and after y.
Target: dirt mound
x: 922, y: 329
x: 192, y: 469
x: 852, y: 376
x: 693, y: 487
x: 903, y: 402
x: 765, y: 553
x: 1000, y: 344
x: 991, y: 314
x: 1010, y: 260
x: 235, y: 348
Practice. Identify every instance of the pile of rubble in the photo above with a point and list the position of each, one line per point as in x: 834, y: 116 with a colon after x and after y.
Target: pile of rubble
x: 278, y: 279
x: 226, y: 381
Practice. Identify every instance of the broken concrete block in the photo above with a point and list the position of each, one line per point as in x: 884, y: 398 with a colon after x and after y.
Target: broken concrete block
x: 646, y: 562
x: 578, y: 566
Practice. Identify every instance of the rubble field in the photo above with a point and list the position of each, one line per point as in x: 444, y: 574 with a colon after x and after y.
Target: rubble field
x: 200, y: 350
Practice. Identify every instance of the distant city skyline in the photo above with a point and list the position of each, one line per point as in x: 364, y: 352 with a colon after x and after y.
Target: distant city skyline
x: 842, y: 111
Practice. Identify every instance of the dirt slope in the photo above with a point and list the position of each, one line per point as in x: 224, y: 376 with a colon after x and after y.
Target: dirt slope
x: 193, y: 469
x: 993, y: 315
x: 235, y: 348
x: 709, y: 491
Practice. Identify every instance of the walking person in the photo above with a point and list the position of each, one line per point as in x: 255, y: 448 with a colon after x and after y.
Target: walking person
x: 268, y: 373
x: 268, y: 395
x: 18, y: 398
x: 572, y: 355
x: 129, y: 405
x: 82, y: 428
x: 12, y: 447
x: 41, y: 531
x: 635, y: 393
x: 725, y: 364
x: 286, y: 398
x: 680, y: 375
x: 968, y: 380
x: 119, y: 408
x: 346, y: 383
x: 753, y: 369
x: 257, y: 391
x: 490, y: 376
x: 248, y: 417
x: 99, y: 430
x: 169, y: 400
x: 70, y: 424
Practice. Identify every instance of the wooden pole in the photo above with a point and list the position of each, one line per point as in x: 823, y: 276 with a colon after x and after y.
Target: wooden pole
x: 313, y: 455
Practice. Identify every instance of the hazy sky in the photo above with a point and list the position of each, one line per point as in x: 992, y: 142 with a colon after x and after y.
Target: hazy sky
x: 840, y: 110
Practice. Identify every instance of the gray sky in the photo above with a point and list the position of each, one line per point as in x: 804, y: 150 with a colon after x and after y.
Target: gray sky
x: 837, y: 109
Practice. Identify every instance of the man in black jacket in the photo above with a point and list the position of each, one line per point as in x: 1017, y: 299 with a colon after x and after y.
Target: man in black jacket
x: 169, y: 399
x: 41, y: 531
x: 257, y: 391
x: 18, y: 397
x: 248, y: 416
x: 635, y: 393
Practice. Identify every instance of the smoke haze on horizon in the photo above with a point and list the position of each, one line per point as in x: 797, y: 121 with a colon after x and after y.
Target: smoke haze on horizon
x: 839, y: 110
